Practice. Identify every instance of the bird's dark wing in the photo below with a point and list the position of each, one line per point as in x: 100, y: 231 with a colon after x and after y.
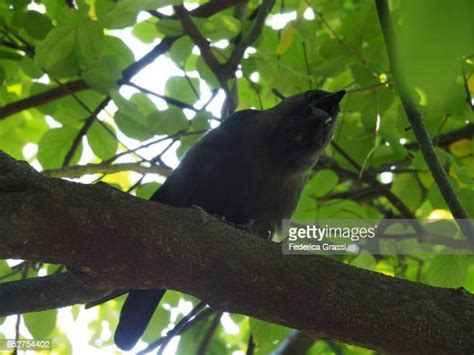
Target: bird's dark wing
x: 204, y: 177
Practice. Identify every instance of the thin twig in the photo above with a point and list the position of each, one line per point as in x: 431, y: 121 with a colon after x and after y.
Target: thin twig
x: 255, y: 88
x: 308, y: 68
x: 372, y: 180
x: 209, y: 334
x: 190, y: 83
x: 250, y: 346
x: 178, y: 329
x: 167, y: 99
x: 135, y: 185
x: 82, y: 132
x: 367, y: 88
x: 278, y: 94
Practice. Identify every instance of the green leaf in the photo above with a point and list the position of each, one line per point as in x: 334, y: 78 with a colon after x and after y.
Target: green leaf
x: 218, y: 27
x: 448, y: 270
x: 170, y: 28
x: 103, y: 74
x: 102, y: 143
x: 365, y: 260
x: 127, y: 107
x: 205, y: 73
x: 29, y: 68
x: 143, y: 103
x: 181, y: 49
x: 469, y: 283
x: 266, y: 335
x: 132, y: 128
x: 431, y: 40
x: 12, y: 143
x: 75, y: 311
x: 467, y: 198
x: 65, y: 68
x: 61, y: 344
x: 41, y: 324
x: 341, y: 209
x: 147, y: 190
x: 7, y: 270
x: 179, y: 87
x: 116, y: 48
x: 130, y: 119
x: 56, y: 46
x: 146, y: 31
x: 306, y: 208
x: 189, y: 342
x: 67, y: 110
x: 185, y: 143
x: 124, y: 13
x: 36, y: 24
x: 90, y: 36
x: 200, y: 122
x: 52, y: 269
x: 10, y: 55
x: 169, y: 121
x: 407, y: 188
x: 54, y: 145
x: 322, y: 183
x: 159, y: 321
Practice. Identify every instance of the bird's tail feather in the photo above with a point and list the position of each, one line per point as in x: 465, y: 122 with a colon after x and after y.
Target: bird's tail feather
x: 136, y: 313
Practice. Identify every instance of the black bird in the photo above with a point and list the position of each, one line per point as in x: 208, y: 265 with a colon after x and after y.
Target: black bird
x: 250, y: 170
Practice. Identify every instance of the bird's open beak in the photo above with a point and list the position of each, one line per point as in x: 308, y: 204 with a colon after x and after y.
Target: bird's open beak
x: 330, y: 102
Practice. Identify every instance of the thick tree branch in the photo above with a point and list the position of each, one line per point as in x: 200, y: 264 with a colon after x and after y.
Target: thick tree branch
x: 42, y: 98
x: 118, y: 241
x: 418, y: 125
x: 49, y: 292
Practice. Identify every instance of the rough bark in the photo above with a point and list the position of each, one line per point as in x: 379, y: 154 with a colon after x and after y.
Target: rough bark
x: 112, y: 240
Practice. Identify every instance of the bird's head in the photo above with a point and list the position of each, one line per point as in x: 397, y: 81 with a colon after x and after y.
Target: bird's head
x: 302, y: 126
